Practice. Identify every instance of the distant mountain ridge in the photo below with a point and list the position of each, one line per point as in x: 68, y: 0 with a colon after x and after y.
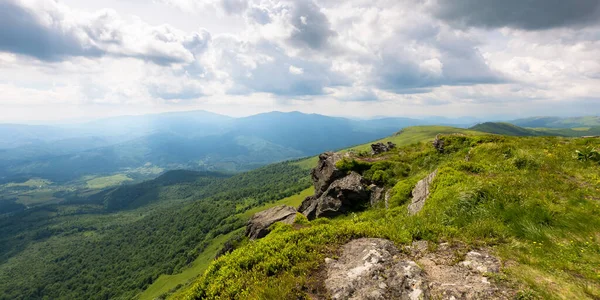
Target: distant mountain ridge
x: 557, y: 122
x: 514, y: 130
x: 196, y: 140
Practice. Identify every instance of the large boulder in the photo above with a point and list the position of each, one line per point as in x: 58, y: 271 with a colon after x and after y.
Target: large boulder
x: 343, y: 195
x: 373, y: 269
x: 259, y: 224
x: 420, y: 193
x: 326, y: 172
x: 379, y: 148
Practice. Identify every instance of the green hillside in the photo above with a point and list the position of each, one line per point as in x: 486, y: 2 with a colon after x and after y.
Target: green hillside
x: 528, y: 198
x: 507, y: 129
x: 514, y: 130
x: 556, y: 122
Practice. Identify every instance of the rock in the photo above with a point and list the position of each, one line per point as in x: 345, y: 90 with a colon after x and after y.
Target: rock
x: 391, y: 145
x: 343, y: 195
x: 464, y: 280
x: 438, y: 144
x: 371, y: 269
x: 420, y: 193
x: 326, y: 172
x: 379, y: 148
x: 309, y: 207
x: 481, y: 262
x: 377, y: 195
x: 388, y: 195
x: 259, y: 224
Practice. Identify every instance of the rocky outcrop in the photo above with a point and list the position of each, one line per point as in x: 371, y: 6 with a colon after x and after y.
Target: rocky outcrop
x: 420, y: 193
x: 341, y: 196
x: 467, y: 279
x: 259, y: 224
x: 373, y: 269
x: 379, y: 148
x: 326, y: 172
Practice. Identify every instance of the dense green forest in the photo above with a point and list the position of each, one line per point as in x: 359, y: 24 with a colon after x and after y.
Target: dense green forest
x: 114, y: 244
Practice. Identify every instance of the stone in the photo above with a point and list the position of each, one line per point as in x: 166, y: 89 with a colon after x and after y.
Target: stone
x: 258, y: 226
x: 420, y: 193
x: 377, y: 195
x: 463, y: 280
x: 481, y: 262
x: 438, y: 144
x: 371, y: 269
x: 326, y: 172
x: 343, y: 195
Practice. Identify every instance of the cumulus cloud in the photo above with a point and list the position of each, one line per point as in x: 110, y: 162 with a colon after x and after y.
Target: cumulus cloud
x: 50, y: 31
x: 527, y: 15
x: 265, y: 67
x: 45, y: 37
x: 374, y: 56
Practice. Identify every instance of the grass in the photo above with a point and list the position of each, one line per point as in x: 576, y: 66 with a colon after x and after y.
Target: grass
x: 107, y: 181
x: 36, y: 197
x: 528, y: 199
x: 32, y: 183
x: 415, y: 134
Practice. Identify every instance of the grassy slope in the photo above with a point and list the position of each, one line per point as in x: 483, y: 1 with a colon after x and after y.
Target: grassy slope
x: 167, y: 283
x: 415, y: 134
x: 527, y: 198
x: 555, y: 122
x: 506, y: 129
x: 513, y: 130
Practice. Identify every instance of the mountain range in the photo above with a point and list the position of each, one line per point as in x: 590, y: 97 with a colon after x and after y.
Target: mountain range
x: 196, y: 140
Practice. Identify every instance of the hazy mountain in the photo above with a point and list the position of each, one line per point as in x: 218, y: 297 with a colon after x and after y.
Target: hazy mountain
x: 196, y: 140
x: 557, y: 122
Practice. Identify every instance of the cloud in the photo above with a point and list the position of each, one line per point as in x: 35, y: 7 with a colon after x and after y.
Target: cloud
x: 234, y: 6
x: 296, y: 70
x: 519, y: 14
x: 49, y: 31
x: 265, y: 67
x: 46, y: 38
x: 297, y: 23
x: 311, y: 27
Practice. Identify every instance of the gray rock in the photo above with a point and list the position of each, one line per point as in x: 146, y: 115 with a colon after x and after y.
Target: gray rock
x: 377, y: 195
x: 466, y: 279
x: 388, y: 195
x: 259, y: 224
x: 372, y: 269
x: 420, y: 193
x: 438, y: 144
x: 379, y: 148
x: 343, y: 195
x: 326, y: 172
x: 309, y: 207
x: 481, y: 262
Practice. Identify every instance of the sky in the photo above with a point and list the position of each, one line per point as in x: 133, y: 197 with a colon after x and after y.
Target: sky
x: 86, y: 59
